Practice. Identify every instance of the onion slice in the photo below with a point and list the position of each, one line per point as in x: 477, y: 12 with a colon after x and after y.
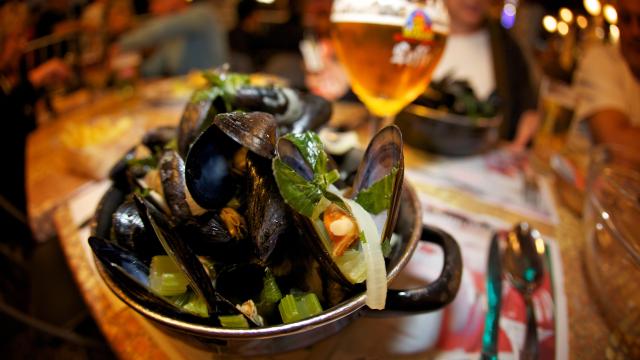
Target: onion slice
x: 376, y: 269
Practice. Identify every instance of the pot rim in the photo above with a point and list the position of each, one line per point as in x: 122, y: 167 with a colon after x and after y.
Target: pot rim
x: 337, y: 312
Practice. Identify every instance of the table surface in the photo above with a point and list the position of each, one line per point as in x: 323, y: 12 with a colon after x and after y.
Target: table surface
x: 133, y: 337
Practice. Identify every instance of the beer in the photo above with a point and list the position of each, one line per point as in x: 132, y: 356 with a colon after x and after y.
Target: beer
x: 386, y: 68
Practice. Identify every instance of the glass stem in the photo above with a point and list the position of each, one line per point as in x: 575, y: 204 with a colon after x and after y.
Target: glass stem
x: 377, y: 123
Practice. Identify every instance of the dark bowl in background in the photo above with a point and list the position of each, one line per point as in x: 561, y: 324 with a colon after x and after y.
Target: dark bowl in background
x: 445, y: 133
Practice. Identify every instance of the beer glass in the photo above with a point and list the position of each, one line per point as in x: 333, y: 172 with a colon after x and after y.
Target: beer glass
x: 389, y: 49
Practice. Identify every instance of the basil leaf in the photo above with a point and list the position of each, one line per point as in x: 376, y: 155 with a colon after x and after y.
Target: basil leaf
x: 300, y: 194
x: 377, y: 197
x: 312, y: 150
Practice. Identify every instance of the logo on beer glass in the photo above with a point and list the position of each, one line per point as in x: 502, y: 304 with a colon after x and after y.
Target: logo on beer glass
x: 416, y: 31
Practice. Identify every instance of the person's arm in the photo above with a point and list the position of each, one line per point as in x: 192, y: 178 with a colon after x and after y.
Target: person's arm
x: 612, y: 126
x: 159, y: 30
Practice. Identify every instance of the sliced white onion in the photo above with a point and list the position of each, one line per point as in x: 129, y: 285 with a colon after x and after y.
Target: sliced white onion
x: 376, y: 270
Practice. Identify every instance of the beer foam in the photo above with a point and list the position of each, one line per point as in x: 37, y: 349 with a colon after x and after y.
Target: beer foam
x: 368, y: 19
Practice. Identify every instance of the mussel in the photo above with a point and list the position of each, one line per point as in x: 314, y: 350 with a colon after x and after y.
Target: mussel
x: 208, y: 173
x: 267, y: 214
x: 341, y: 229
x: 194, y: 119
x: 130, y: 233
x: 294, y: 111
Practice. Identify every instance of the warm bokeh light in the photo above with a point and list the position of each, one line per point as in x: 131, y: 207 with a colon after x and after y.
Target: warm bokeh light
x: 600, y: 33
x: 550, y: 23
x: 593, y: 7
x: 582, y: 22
x: 509, y: 9
x: 563, y: 28
x: 566, y: 15
x: 266, y: 1
x: 614, y: 33
x: 610, y: 14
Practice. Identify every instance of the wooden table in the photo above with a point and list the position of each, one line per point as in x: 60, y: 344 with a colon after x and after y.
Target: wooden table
x: 50, y: 185
x: 50, y: 180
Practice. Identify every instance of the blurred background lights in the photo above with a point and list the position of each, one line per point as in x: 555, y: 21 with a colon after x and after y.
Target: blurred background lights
x: 582, y: 22
x: 563, y: 28
x: 610, y: 14
x: 614, y: 33
x: 593, y: 7
x: 550, y: 23
x: 600, y: 33
x: 566, y: 15
x: 508, y: 15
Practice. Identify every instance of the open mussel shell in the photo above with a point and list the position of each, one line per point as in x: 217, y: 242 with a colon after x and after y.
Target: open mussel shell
x: 255, y: 130
x: 183, y: 256
x: 383, y: 154
x: 176, y: 195
x: 193, y: 120
x: 207, y: 172
x: 130, y: 233
x: 268, y: 216
x: 132, y: 274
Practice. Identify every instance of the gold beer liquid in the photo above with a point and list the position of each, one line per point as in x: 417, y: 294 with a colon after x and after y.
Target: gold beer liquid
x: 366, y: 50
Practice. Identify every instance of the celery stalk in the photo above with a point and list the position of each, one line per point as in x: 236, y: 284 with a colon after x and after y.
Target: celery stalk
x: 233, y: 321
x: 165, y: 278
x: 299, y: 307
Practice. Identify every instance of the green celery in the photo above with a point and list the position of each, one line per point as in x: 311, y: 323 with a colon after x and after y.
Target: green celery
x: 299, y: 307
x: 233, y: 321
x: 165, y: 278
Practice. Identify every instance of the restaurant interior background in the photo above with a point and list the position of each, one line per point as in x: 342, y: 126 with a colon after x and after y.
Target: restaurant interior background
x: 79, y: 50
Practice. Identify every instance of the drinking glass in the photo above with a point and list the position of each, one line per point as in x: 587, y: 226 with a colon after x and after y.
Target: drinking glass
x: 389, y: 49
x: 612, y: 249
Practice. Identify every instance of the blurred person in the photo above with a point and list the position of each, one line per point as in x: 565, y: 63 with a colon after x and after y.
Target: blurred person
x: 608, y: 85
x: 181, y: 36
x: 329, y: 80
x: 20, y: 91
x: 498, y: 66
x: 103, y: 21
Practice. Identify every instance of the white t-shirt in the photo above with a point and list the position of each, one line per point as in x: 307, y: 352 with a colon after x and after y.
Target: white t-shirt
x: 468, y: 57
x: 603, y: 80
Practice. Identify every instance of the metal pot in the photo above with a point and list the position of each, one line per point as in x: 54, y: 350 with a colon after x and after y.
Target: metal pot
x: 447, y: 133
x: 287, y: 337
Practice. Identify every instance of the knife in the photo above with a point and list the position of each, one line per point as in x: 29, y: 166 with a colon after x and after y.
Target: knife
x: 494, y: 295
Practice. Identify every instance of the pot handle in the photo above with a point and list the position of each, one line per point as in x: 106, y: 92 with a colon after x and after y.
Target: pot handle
x: 438, y: 293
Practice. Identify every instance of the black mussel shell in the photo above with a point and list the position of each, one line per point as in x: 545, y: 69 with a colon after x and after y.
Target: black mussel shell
x: 208, y: 236
x: 130, y: 233
x: 267, y: 215
x: 241, y: 282
x: 207, y: 171
x: 171, y: 168
x: 317, y: 112
x: 269, y: 99
x: 157, y: 138
x: 116, y: 257
x: 131, y: 275
x: 255, y: 130
x: 193, y: 120
x: 382, y: 155
x: 182, y: 255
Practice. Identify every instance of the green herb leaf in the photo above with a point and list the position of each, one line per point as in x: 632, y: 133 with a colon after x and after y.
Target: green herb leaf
x: 300, y: 194
x: 377, y: 197
x: 312, y: 150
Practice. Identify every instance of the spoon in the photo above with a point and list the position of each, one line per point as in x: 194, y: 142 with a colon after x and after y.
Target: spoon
x: 523, y: 263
